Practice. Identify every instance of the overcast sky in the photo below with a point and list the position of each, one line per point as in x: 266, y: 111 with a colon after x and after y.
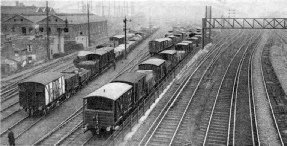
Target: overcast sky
x: 249, y: 7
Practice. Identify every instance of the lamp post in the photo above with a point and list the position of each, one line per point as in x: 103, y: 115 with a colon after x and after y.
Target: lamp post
x: 125, y: 29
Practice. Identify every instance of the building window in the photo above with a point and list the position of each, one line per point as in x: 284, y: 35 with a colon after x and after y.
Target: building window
x: 14, y: 19
x: 41, y: 29
x: 81, y: 33
x: 56, y: 20
x: 24, y: 30
x: 21, y: 19
x: 29, y: 48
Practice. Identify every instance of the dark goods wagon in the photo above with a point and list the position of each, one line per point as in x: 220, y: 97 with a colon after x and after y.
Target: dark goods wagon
x: 182, y: 47
x: 155, y: 64
x: 105, y: 56
x: 170, y: 55
x: 137, y: 80
x: 156, y: 46
x: 107, y: 107
x: 42, y: 92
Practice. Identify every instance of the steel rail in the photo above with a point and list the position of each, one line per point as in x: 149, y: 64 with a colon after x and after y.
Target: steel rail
x: 180, y: 87
x: 269, y: 101
x: 247, y: 57
x: 220, y: 88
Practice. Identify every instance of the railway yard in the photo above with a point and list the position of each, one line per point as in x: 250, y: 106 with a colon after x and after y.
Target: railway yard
x: 230, y: 92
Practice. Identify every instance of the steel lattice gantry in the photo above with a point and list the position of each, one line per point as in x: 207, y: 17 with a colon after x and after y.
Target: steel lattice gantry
x: 245, y: 23
x: 241, y: 23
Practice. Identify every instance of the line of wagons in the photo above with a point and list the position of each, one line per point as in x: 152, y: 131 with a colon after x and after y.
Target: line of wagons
x: 107, y: 107
x: 42, y: 92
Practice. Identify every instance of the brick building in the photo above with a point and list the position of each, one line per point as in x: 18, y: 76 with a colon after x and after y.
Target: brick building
x: 24, y: 32
x: 29, y: 20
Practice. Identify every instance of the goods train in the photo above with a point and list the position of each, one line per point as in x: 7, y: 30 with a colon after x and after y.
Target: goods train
x: 41, y: 93
x: 106, y: 108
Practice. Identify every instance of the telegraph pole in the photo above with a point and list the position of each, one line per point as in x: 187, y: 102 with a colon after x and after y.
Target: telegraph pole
x: 89, y: 35
x: 125, y: 29
x: 48, y: 41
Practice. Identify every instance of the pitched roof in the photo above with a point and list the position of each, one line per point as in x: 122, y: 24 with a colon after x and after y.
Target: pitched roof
x: 45, y: 78
x: 35, y: 18
x: 111, y: 91
x: 17, y: 15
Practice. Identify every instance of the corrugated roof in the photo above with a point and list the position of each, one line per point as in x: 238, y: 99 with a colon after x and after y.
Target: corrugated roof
x: 44, y: 78
x: 154, y: 61
x: 111, y: 91
x: 131, y: 77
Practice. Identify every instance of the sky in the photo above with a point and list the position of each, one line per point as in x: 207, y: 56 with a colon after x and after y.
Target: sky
x: 246, y: 8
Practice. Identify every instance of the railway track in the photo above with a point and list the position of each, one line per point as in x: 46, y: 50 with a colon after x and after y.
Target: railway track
x: 275, y: 95
x: 173, y: 112
x: 76, y: 129
x: 244, y: 130
x: 175, y: 86
x: 218, y: 129
x: 21, y: 127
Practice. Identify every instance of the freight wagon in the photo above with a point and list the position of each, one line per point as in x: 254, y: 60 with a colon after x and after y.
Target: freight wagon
x: 42, y: 92
x: 107, y: 107
x: 155, y: 64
